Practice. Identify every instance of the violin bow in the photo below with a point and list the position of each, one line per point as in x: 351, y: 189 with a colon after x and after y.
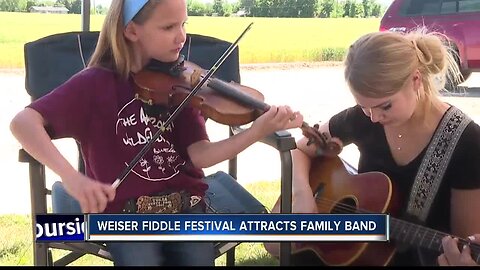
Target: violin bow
x: 179, y: 108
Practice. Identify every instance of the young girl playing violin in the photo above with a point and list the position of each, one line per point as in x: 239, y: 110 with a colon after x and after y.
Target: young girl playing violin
x: 98, y: 109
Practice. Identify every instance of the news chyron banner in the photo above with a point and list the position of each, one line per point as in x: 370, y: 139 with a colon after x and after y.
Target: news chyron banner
x: 57, y: 228
x: 213, y: 227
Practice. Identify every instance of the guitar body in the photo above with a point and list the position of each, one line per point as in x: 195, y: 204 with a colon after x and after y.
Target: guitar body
x: 334, y: 188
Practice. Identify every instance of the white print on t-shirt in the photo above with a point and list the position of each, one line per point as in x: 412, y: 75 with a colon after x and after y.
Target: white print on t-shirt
x: 136, y: 129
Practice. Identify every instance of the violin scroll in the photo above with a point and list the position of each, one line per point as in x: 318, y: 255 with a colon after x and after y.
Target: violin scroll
x: 326, y: 145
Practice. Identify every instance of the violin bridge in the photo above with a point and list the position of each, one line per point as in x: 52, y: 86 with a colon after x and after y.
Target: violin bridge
x: 195, y: 77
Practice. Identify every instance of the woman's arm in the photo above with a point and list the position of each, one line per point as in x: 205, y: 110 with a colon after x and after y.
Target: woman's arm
x: 303, y: 200
x: 464, y: 219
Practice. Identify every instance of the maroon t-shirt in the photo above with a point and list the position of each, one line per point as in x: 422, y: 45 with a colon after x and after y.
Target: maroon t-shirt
x: 98, y: 109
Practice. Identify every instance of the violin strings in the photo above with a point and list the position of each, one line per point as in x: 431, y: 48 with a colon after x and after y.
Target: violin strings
x: 431, y: 233
x: 80, y: 50
x: 189, y: 46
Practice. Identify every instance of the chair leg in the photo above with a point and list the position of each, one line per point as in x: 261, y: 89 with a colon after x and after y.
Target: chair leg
x: 286, y: 202
x: 231, y: 257
x: 50, y: 258
x: 39, y: 205
x: 40, y: 254
x: 232, y: 170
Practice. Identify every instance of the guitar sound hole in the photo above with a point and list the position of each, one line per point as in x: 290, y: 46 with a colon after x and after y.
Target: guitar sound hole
x: 345, y: 206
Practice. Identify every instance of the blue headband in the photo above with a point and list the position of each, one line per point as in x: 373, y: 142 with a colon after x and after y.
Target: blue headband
x: 131, y: 8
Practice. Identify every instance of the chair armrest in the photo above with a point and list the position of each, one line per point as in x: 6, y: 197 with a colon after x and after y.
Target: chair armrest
x: 280, y: 140
x: 25, y: 157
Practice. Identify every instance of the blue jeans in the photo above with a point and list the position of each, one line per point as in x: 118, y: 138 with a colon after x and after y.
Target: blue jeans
x: 62, y: 202
x: 143, y: 253
x: 162, y: 253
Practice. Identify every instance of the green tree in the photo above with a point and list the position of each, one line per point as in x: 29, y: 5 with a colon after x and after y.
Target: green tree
x: 48, y: 3
x: 99, y: 9
x: 326, y: 8
x: 347, y: 7
x: 31, y: 3
x: 283, y: 8
x: 73, y: 6
x: 64, y: 3
x: 280, y: 8
x: 76, y: 7
x: 306, y: 8
x: 13, y: 5
x: 377, y: 10
x: 22, y: 5
x: 337, y: 9
x: 247, y: 5
x: 227, y: 9
x: 235, y: 6
x: 367, y: 8
x: 209, y: 9
x: 356, y: 10
x: 262, y: 8
x: 218, y: 7
x: 196, y: 8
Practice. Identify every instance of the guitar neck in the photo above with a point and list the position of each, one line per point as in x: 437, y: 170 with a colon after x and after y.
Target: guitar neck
x: 420, y: 236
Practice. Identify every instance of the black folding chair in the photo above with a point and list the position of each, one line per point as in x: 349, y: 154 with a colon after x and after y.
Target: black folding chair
x: 52, y: 60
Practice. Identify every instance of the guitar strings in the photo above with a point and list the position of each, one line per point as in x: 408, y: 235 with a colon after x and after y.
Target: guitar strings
x: 431, y: 233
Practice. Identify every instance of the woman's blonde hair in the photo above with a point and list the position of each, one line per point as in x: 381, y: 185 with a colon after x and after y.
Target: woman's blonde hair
x: 379, y: 64
x: 113, y: 50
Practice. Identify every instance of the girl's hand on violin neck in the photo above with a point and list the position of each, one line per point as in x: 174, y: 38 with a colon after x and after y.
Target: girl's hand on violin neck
x: 275, y: 119
x: 92, y: 195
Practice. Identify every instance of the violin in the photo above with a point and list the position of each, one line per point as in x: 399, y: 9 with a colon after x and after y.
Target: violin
x: 166, y: 85
x: 158, y: 85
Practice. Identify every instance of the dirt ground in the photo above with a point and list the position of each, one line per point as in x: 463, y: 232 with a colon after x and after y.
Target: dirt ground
x: 317, y: 90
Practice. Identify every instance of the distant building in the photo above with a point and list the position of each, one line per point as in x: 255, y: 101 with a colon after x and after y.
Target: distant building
x: 240, y: 13
x: 57, y: 10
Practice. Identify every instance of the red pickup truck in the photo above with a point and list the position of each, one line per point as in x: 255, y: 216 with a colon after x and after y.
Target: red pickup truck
x: 459, y: 20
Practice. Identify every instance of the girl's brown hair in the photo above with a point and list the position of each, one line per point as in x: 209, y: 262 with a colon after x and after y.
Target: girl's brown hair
x: 113, y: 50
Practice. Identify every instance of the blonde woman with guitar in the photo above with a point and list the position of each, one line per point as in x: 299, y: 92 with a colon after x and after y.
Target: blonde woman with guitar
x: 419, y: 156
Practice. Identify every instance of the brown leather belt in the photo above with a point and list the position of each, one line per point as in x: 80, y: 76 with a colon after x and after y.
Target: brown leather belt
x: 171, y: 203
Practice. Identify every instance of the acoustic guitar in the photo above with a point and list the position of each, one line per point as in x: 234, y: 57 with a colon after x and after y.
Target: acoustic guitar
x: 338, y: 191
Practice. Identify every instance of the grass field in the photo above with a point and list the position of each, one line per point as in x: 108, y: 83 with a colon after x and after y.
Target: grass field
x: 16, y: 238
x: 269, y: 40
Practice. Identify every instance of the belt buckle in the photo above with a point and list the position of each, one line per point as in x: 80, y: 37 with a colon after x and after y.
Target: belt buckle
x: 168, y: 204
x: 194, y: 200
